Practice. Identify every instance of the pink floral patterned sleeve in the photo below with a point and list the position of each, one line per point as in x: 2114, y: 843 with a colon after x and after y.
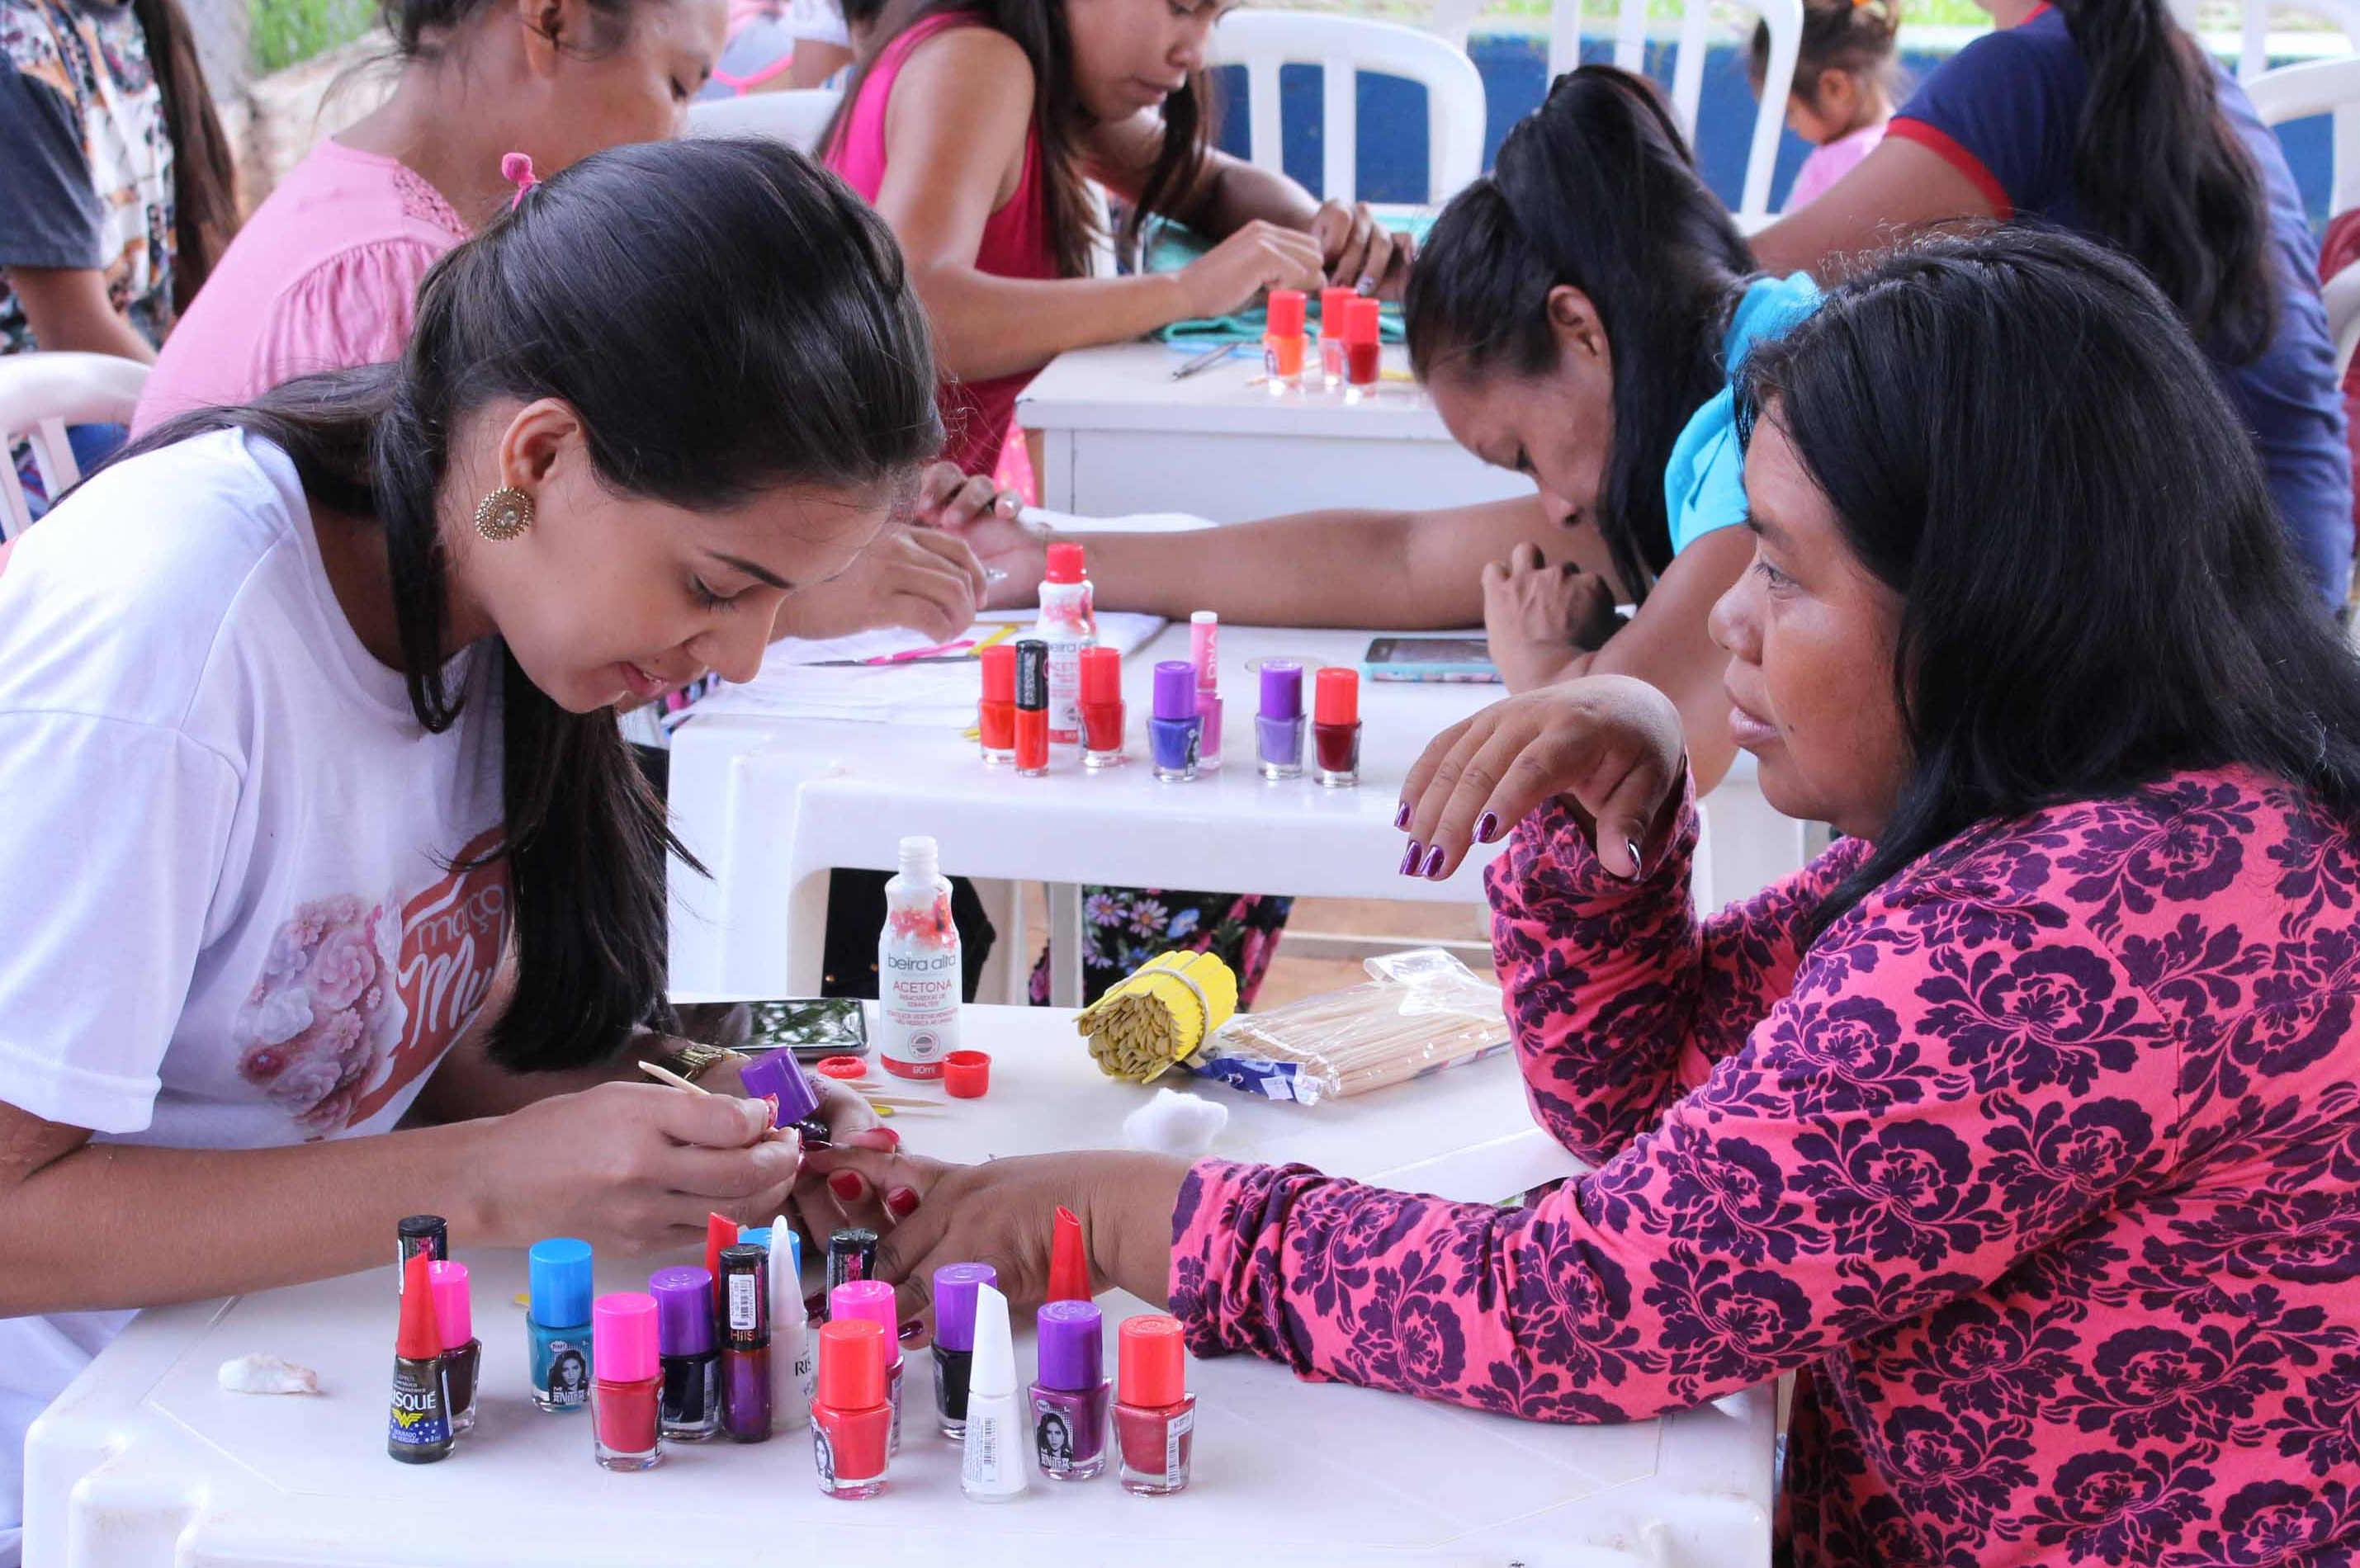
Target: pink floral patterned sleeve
x: 2044, y: 1160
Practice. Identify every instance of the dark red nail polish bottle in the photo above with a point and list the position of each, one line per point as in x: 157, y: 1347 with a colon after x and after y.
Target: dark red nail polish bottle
x: 1155, y: 1413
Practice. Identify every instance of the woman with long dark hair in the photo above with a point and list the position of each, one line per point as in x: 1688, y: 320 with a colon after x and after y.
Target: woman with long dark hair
x: 2024, y: 1123
x: 2103, y: 116
x: 303, y: 726
x: 975, y: 125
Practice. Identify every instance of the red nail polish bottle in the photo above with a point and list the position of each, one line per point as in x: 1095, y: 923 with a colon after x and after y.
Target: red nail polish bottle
x: 1032, y: 707
x: 627, y: 1395
x: 852, y: 1424
x: 996, y: 714
x: 1155, y: 1413
x: 1101, y: 708
x: 1336, y: 725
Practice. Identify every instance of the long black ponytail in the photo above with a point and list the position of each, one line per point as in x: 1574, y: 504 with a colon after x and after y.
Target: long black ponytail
x: 1595, y: 190
x: 2162, y: 173
x: 727, y: 319
x: 204, y: 175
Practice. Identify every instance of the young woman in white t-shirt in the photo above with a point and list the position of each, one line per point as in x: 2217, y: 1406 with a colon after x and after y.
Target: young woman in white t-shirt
x: 303, y: 726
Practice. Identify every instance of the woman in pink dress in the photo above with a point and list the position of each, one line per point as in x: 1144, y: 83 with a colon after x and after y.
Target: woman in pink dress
x: 2025, y: 1122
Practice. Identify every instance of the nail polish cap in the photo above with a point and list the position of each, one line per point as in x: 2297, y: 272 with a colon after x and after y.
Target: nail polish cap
x: 851, y: 1364
x: 955, y: 1288
x: 1032, y: 673
x: 871, y: 1301
x: 752, y: 1263
x: 1363, y: 322
x: 623, y: 1342
x: 1337, y: 696
x: 1153, y: 1361
x: 1332, y: 304
x: 1286, y: 313
x: 1282, y: 688
x: 993, y: 1370
x: 683, y: 1298
x: 1069, y: 1263
x: 1101, y: 675
x: 720, y: 1232
x: 778, y: 1074
x: 857, y: 1245
x: 787, y: 1307
x: 1204, y: 650
x: 557, y: 1270
x: 419, y: 1337
x: 1176, y: 689
x: 454, y: 1308
x: 1072, y: 1345
x: 1065, y: 564
x: 431, y: 1229
x: 998, y: 673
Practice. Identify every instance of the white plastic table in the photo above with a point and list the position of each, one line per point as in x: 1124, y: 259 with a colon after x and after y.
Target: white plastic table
x: 1120, y: 436
x: 143, y: 1461
x: 769, y: 806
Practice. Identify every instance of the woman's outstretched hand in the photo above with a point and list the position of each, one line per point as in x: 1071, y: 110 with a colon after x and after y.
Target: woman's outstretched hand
x: 1004, y: 1214
x: 1612, y: 746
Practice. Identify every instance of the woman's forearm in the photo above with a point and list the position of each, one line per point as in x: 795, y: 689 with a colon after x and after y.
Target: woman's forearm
x: 987, y: 326
x: 1405, y: 571
x: 109, y: 1226
x: 1235, y: 192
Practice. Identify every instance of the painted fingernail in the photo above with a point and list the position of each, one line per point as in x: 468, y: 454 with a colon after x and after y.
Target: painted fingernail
x: 882, y: 1138
x: 773, y: 1101
x: 1409, y: 858
x: 1432, y: 864
x: 845, y: 1185
x: 1487, y: 827
x: 1401, y: 817
x: 911, y: 1330
x: 901, y: 1203
x: 1632, y: 845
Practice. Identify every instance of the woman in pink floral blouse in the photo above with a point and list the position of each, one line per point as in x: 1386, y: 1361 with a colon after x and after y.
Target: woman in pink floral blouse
x: 2025, y: 1124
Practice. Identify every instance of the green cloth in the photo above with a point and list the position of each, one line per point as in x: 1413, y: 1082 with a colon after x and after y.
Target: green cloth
x: 1174, y: 246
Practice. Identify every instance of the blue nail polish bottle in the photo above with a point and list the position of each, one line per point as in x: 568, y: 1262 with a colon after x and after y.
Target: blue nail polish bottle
x: 1174, y: 727
x: 557, y: 1323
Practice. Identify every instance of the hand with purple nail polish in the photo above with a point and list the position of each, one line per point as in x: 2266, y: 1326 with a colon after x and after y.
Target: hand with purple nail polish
x: 1609, y: 748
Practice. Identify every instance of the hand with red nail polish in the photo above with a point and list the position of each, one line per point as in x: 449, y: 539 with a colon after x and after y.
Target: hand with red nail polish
x: 1609, y: 748
x: 1004, y: 1214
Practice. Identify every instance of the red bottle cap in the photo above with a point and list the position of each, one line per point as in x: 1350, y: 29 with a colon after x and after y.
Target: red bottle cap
x: 843, y: 1068
x: 1152, y: 1361
x: 1337, y: 698
x: 1069, y: 1265
x: 851, y: 1364
x: 1335, y: 304
x: 967, y: 1074
x: 1286, y: 313
x: 719, y: 1231
x: 420, y: 1336
x: 1101, y: 675
x: 453, y: 1307
x: 1363, y: 322
x: 1065, y: 564
x: 998, y: 673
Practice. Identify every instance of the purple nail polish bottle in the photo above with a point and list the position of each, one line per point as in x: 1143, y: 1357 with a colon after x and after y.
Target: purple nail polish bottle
x: 1071, y: 1397
x: 1174, y: 726
x: 1278, y: 727
x: 690, y: 1365
x: 778, y: 1076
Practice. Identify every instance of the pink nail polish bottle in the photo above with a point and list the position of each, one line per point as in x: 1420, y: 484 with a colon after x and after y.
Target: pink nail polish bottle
x: 1155, y: 1413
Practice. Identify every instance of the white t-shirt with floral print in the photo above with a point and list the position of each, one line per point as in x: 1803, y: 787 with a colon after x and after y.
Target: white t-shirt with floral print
x: 231, y: 918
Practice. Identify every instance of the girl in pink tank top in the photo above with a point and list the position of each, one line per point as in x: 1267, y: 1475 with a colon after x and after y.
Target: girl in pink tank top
x: 981, y: 169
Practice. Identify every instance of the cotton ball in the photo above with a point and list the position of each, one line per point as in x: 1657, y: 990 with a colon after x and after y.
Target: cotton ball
x: 1173, y: 1122
x: 267, y: 1375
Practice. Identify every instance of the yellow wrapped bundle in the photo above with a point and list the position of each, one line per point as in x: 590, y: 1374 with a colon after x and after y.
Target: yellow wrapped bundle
x: 1159, y: 1013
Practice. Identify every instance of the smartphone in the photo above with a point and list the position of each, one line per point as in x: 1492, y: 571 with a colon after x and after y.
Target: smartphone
x: 810, y: 1027
x: 1430, y: 659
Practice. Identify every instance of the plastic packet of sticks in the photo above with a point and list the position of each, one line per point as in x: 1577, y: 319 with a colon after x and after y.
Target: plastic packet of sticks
x: 1419, y: 1012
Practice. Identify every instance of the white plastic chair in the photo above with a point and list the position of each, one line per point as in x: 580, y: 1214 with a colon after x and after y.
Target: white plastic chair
x: 1785, y: 19
x: 2299, y: 93
x: 1263, y: 41
x: 40, y: 395
x: 2254, y: 53
x: 794, y: 115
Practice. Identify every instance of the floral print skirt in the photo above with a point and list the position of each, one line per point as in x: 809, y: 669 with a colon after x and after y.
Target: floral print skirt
x: 1122, y: 927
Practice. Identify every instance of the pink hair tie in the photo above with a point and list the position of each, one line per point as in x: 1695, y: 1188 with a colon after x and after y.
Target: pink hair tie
x: 516, y: 168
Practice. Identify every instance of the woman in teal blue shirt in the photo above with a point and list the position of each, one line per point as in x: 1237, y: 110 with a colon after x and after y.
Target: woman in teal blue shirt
x: 1576, y: 316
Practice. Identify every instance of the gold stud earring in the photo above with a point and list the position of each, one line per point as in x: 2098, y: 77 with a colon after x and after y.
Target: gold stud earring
x: 505, y: 513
